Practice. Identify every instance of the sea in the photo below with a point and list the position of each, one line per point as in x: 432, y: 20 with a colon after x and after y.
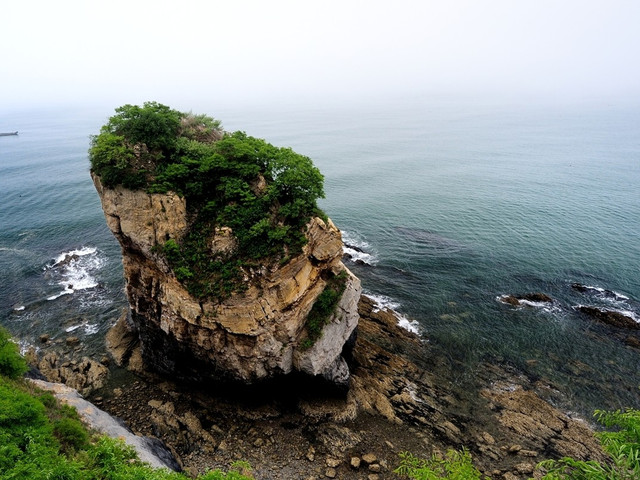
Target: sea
x: 446, y: 204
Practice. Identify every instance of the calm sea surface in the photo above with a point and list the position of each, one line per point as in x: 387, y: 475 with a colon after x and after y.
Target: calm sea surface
x: 453, y: 204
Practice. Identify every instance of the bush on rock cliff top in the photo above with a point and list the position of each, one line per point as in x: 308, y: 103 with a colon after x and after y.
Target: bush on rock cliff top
x: 265, y: 194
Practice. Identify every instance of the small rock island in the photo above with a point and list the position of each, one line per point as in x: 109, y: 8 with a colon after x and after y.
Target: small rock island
x: 232, y: 272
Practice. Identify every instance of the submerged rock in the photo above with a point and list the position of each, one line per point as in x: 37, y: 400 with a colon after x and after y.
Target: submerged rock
x: 610, y: 317
x: 517, y: 300
x: 251, y: 336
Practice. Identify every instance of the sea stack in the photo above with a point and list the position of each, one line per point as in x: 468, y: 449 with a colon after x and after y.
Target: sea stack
x: 264, y: 325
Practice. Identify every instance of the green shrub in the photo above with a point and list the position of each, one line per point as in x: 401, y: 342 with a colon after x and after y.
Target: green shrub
x: 456, y: 465
x: 12, y: 364
x: 71, y: 434
x: 622, y: 445
x: 43, y: 440
x: 323, y: 309
x: 265, y: 194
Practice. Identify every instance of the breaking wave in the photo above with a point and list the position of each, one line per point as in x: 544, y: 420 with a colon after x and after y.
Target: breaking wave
x: 383, y: 302
x: 74, y: 270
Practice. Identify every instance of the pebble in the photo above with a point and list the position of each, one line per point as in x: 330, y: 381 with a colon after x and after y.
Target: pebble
x: 528, y: 453
x: 258, y: 443
x: 369, y: 458
x: 524, y: 468
x: 333, y: 462
x: 355, y: 462
x: 311, y: 454
x: 330, y: 473
x: 373, y: 476
x: 374, y: 467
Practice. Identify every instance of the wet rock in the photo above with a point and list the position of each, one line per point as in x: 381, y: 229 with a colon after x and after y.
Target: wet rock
x: 632, y: 341
x: 516, y: 300
x: 610, y: 317
x: 72, y: 341
x: 44, y: 338
x: 510, y: 300
x: 537, y: 297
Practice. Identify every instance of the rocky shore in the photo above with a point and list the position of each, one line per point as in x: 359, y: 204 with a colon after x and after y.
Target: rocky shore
x: 400, y: 399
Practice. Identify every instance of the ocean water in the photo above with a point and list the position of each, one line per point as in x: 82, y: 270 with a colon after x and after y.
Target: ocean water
x: 448, y: 204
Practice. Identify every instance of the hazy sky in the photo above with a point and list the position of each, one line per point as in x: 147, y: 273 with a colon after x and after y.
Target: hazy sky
x: 252, y: 51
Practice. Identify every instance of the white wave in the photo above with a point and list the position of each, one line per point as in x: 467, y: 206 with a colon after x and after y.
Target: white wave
x: 66, y: 291
x: 630, y: 314
x: 356, y: 247
x: 627, y: 313
x: 81, y: 252
x: 603, y: 292
x: 73, y: 270
x: 382, y: 302
x: 356, y: 256
x: 91, y: 328
x: 355, y: 240
x: 548, y: 307
x: 19, y: 308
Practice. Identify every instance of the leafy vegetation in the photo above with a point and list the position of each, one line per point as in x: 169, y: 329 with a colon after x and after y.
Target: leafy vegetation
x: 323, y: 308
x: 622, y: 445
x: 41, y: 439
x: 456, y: 465
x: 265, y: 194
x: 12, y: 364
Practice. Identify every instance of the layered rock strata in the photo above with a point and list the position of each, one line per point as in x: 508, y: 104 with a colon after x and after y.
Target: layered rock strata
x: 251, y: 336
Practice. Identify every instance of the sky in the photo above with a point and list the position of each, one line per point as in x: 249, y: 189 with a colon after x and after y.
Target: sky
x: 115, y: 51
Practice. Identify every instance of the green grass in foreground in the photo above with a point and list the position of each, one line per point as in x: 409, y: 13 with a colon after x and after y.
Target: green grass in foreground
x: 42, y: 439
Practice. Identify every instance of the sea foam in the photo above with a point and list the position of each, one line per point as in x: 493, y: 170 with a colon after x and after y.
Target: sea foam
x: 382, y: 302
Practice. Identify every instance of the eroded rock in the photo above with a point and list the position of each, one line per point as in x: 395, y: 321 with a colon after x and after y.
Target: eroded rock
x: 251, y: 336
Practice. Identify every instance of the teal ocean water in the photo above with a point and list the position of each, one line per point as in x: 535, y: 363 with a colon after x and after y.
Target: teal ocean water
x: 447, y: 204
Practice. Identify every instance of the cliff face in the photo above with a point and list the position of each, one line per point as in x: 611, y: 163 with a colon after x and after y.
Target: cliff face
x: 250, y: 336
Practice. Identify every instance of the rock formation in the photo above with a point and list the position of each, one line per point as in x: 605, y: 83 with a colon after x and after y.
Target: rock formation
x: 254, y: 335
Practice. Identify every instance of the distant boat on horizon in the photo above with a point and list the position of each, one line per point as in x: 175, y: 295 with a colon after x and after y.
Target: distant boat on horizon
x: 8, y: 134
